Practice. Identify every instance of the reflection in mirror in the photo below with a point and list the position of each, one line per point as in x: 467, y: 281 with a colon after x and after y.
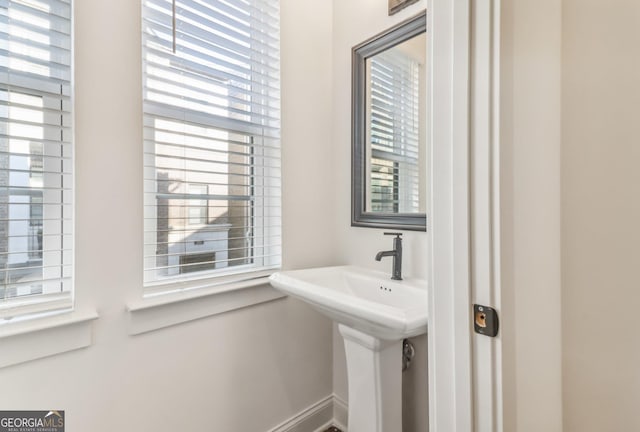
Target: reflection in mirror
x: 389, y: 128
x: 394, y: 119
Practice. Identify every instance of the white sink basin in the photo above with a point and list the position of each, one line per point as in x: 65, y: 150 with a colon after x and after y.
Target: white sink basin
x: 362, y: 299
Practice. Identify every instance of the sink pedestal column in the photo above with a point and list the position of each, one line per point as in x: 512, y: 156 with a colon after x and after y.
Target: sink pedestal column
x: 374, y: 371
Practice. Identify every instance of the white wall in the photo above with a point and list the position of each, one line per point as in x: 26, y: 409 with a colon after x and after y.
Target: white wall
x: 309, y: 188
x: 246, y: 370
x: 530, y: 125
x: 588, y: 325
x: 600, y: 215
x: 355, y: 21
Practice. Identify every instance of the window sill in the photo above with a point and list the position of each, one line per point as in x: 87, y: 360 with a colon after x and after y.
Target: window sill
x: 160, y: 311
x: 43, y: 337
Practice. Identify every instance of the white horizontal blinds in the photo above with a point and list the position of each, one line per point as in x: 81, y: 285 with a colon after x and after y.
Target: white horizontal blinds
x: 211, y: 137
x: 35, y: 155
x: 394, y: 132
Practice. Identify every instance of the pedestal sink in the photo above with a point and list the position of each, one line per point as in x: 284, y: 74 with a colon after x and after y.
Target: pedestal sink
x: 374, y: 314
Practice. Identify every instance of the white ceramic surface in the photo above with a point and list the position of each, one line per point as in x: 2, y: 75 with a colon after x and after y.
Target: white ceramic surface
x: 375, y: 313
x: 363, y: 299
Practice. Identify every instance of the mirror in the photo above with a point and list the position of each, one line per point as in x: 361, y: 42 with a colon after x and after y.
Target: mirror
x: 389, y: 154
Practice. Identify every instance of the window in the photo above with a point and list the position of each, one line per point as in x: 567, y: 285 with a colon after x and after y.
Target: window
x: 211, y: 138
x: 384, y: 185
x: 35, y: 156
x: 395, y: 118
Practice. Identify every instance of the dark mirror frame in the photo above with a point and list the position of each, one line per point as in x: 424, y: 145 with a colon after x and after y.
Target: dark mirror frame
x: 360, y: 53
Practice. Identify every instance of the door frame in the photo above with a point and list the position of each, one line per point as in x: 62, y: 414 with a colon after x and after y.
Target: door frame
x: 464, y: 368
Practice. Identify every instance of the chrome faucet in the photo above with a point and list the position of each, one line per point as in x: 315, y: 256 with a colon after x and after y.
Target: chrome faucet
x: 396, y: 253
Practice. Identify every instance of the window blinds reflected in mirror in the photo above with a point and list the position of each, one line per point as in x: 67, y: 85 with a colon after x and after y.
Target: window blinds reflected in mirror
x: 393, y: 132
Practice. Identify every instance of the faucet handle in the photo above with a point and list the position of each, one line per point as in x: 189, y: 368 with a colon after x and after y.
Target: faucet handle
x: 397, y: 234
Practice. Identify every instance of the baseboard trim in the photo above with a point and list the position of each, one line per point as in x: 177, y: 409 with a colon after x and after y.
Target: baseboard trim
x: 340, y: 413
x: 310, y: 419
x: 318, y: 417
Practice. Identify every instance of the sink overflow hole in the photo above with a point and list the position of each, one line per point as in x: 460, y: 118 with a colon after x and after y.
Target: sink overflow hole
x: 383, y: 288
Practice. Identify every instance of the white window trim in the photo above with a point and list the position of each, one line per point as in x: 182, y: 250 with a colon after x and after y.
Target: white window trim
x: 155, y: 312
x: 168, y: 285
x: 53, y: 334
x: 23, y: 308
